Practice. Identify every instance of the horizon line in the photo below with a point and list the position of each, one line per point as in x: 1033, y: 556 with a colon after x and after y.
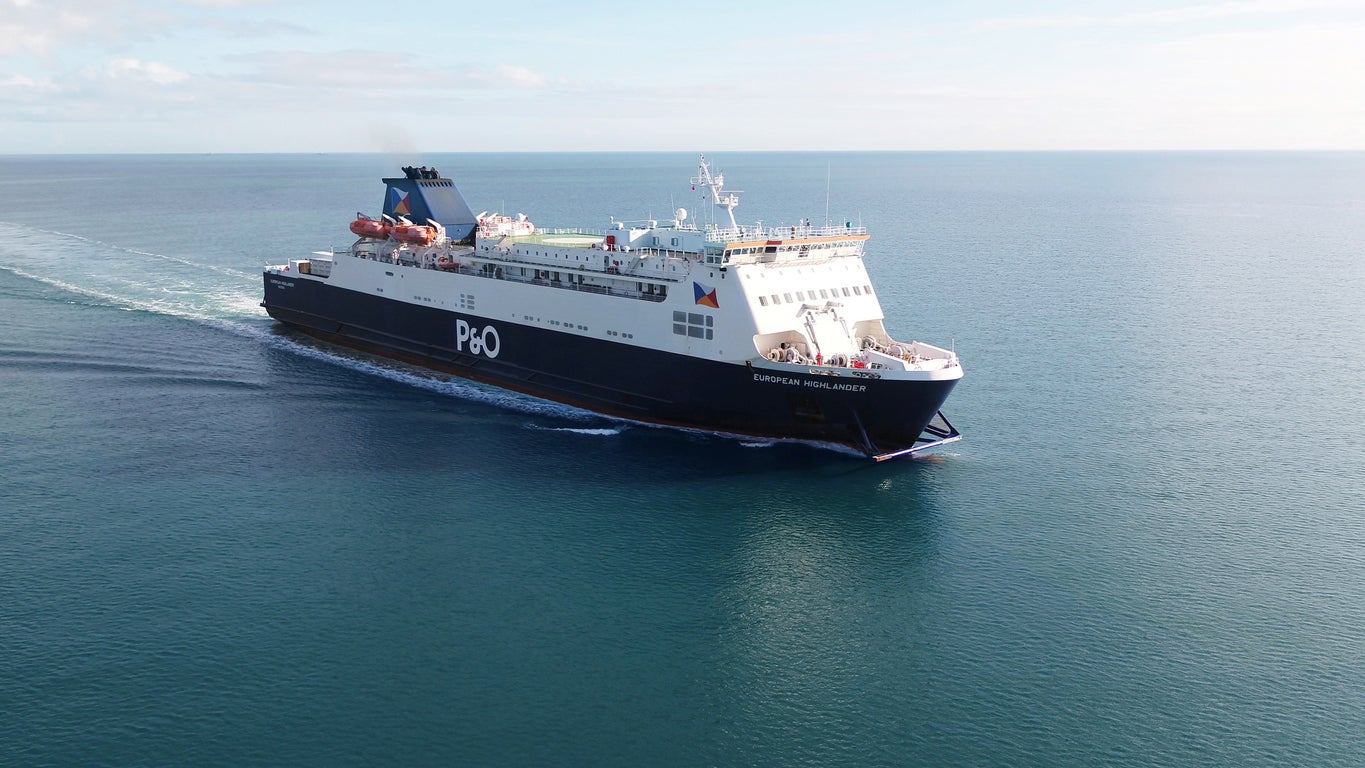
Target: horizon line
x: 1280, y: 150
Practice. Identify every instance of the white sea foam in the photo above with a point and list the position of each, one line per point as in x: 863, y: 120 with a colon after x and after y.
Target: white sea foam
x: 119, y: 276
x: 604, y: 431
x: 135, y: 251
x: 749, y: 441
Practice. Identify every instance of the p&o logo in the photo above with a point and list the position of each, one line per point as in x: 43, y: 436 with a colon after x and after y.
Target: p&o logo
x: 484, y: 342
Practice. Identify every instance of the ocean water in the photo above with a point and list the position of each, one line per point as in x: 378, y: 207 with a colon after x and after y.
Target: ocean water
x: 221, y: 544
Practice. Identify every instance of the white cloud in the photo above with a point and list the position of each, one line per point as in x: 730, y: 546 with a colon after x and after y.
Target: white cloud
x: 519, y: 77
x: 233, y: 3
x: 385, y: 72
x: 21, y: 85
x: 354, y: 69
x: 29, y: 28
x: 1191, y: 13
x: 145, y: 71
x: 30, y: 33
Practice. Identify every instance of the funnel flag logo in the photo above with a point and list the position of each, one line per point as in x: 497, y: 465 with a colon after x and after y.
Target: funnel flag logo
x: 399, y: 201
x: 706, y: 295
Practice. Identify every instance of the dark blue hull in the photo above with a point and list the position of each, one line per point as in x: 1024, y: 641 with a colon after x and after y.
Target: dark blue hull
x: 872, y: 415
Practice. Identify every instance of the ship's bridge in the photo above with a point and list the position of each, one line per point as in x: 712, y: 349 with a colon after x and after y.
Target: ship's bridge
x: 752, y: 244
x: 760, y: 245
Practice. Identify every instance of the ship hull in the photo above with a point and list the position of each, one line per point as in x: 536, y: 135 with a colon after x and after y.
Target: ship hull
x: 615, y: 378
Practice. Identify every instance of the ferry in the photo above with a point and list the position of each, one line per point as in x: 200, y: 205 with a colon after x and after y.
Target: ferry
x: 764, y: 331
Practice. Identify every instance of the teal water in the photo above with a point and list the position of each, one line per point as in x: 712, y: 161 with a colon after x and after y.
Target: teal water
x: 222, y: 545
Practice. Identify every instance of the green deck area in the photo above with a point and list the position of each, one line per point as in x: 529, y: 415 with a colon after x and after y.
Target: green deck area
x: 561, y: 239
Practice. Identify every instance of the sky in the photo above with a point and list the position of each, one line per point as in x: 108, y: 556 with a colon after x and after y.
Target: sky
x: 133, y: 76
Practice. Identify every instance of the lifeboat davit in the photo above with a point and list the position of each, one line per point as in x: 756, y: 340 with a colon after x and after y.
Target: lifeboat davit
x: 371, y: 228
x: 415, y: 234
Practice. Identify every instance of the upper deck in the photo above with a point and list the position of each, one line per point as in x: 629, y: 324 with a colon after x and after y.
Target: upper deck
x: 804, y: 231
x: 717, y: 244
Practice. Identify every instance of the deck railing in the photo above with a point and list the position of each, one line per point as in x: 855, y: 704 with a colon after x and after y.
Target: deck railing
x: 717, y: 234
x: 495, y: 271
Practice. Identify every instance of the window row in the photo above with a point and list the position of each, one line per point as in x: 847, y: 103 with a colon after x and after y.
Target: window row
x: 811, y: 295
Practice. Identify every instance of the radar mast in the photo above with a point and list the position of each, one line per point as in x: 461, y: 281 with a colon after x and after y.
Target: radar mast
x: 716, y: 183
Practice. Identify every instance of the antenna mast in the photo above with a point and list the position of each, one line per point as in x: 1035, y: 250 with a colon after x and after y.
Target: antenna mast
x: 716, y: 183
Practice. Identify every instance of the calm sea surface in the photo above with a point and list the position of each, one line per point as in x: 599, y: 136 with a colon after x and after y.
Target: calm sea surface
x: 223, y: 545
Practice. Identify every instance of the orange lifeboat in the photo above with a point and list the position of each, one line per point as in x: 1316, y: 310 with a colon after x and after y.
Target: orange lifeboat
x: 375, y: 229
x: 415, y: 234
